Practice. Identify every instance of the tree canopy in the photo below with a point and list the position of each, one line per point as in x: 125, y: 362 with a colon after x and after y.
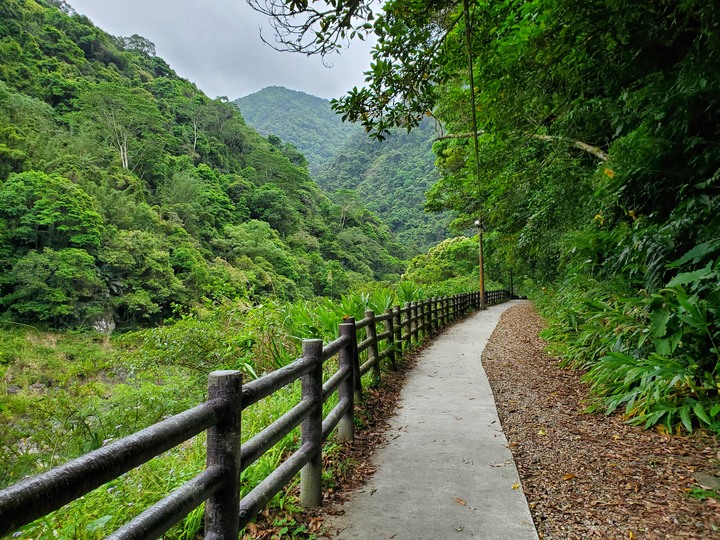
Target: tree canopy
x: 122, y: 176
x: 598, y: 167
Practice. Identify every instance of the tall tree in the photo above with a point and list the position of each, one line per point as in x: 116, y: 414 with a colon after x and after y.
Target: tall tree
x: 129, y: 118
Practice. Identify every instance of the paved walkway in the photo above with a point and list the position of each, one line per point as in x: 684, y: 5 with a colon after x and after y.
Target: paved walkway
x: 446, y: 471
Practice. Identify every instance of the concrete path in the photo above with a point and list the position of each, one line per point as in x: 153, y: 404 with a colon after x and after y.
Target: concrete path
x: 446, y: 471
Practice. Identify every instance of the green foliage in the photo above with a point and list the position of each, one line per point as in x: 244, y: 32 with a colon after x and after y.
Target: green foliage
x: 598, y: 170
x: 390, y: 178
x: 171, y: 198
x: 656, y: 354
x: 303, y: 120
x: 62, y: 395
x: 41, y: 210
x: 452, y: 267
x: 58, y: 286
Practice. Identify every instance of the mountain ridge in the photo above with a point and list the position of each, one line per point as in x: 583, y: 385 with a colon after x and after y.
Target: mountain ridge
x: 390, y: 177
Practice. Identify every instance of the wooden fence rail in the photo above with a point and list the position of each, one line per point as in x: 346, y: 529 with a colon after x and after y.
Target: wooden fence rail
x: 221, y: 415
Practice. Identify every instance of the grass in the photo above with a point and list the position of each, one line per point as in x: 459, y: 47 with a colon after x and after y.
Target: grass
x: 64, y: 394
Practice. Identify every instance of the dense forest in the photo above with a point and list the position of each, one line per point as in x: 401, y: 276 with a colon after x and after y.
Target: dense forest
x: 306, y: 121
x: 585, y: 136
x: 126, y: 193
x: 390, y: 177
x: 586, y: 141
x: 148, y: 235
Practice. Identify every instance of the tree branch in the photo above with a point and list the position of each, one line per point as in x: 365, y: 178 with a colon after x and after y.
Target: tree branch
x: 594, y: 150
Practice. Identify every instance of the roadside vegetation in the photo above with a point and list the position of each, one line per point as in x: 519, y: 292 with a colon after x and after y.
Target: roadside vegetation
x: 148, y: 235
x: 64, y: 394
x: 596, y: 164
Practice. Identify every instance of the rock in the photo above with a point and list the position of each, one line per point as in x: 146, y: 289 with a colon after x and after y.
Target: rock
x: 707, y: 481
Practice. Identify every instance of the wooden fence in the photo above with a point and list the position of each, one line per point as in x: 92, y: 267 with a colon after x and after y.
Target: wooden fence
x: 221, y: 415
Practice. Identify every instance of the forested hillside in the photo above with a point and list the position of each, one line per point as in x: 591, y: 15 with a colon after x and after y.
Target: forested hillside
x: 596, y: 165
x: 303, y: 120
x: 390, y: 176
x: 126, y: 193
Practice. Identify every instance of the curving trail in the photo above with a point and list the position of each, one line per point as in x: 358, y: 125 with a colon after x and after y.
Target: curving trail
x: 446, y: 471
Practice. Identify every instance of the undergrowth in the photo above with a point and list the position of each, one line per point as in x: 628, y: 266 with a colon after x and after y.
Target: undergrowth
x: 654, y: 356
x: 62, y: 395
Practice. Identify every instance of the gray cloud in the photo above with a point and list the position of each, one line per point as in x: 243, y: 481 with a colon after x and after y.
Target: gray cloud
x: 216, y: 44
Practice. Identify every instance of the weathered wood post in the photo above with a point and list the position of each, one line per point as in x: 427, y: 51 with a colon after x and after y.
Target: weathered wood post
x: 406, y: 325
x: 223, y: 450
x: 418, y: 319
x: 357, y: 378
x: 311, y: 429
x: 413, y: 322
x: 441, y: 312
x: 426, y: 317
x: 389, y: 328
x: 397, y: 326
x: 431, y: 316
x: 373, y: 353
x: 346, y: 392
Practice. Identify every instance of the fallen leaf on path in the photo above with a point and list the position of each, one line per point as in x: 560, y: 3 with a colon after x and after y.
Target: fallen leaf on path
x: 516, y: 486
x: 569, y: 476
x: 460, y: 501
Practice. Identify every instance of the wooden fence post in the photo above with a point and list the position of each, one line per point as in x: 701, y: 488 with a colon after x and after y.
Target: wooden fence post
x: 311, y: 429
x: 406, y: 325
x: 223, y: 450
x: 346, y: 392
x: 373, y: 353
x: 426, y: 318
x: 397, y: 326
x: 389, y: 327
x: 433, y: 326
x: 413, y: 322
x: 357, y: 378
x: 420, y: 310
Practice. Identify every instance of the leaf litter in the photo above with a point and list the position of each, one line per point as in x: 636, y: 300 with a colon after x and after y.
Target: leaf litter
x: 590, y: 475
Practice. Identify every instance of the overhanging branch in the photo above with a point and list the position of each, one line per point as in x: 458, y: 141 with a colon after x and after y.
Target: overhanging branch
x: 594, y: 150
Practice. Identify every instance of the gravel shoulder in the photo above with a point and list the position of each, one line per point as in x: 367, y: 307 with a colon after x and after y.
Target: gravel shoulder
x: 590, y: 475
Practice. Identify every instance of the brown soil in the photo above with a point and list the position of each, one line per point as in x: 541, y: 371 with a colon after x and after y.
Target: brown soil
x: 590, y: 475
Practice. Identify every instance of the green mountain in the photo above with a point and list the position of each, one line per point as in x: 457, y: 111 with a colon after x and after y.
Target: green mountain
x: 126, y: 193
x: 390, y: 177
x: 301, y: 119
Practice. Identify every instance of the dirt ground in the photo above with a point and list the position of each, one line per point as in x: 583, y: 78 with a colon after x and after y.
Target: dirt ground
x: 590, y: 475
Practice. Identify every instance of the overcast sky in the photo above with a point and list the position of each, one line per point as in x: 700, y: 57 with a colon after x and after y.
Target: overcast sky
x: 216, y: 44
